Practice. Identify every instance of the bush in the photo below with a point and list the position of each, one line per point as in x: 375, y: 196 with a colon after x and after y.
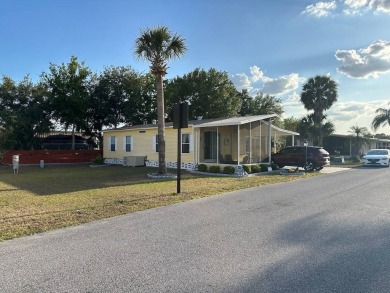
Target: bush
x: 228, y: 170
x: 264, y: 167
x: 255, y: 169
x: 355, y: 159
x: 99, y: 160
x: 215, y: 169
x: 202, y: 168
x: 274, y: 166
x: 247, y: 168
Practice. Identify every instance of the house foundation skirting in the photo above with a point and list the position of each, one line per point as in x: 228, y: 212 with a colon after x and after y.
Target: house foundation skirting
x: 152, y: 163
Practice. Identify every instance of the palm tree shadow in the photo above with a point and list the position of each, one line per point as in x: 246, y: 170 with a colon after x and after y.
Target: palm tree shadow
x: 328, y: 258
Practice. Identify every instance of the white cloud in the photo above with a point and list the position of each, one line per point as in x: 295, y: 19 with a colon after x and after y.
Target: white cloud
x: 380, y: 5
x: 242, y: 81
x: 257, y: 81
x: 350, y: 7
x: 257, y: 74
x: 367, y: 62
x: 344, y: 115
x: 320, y: 9
x: 282, y: 84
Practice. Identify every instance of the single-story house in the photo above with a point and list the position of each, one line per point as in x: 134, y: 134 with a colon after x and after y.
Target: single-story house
x: 236, y: 141
x: 346, y: 144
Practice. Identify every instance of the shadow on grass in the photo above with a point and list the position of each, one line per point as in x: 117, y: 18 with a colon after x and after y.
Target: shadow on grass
x: 70, y: 178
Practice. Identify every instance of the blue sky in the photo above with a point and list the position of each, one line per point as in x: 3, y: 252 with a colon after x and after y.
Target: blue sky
x: 264, y: 45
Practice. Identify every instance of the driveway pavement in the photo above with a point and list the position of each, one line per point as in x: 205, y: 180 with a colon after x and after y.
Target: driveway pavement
x: 327, y: 170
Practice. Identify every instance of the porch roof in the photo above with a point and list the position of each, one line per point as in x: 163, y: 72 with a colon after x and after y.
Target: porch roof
x: 233, y: 121
x: 244, y: 120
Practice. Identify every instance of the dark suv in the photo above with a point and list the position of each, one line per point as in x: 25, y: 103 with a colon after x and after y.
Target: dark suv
x: 310, y: 157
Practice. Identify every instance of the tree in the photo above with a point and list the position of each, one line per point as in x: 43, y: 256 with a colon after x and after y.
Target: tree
x: 292, y: 124
x: 382, y: 118
x: 69, y: 93
x: 261, y: 104
x: 309, y: 129
x: 211, y: 94
x: 319, y: 94
x: 23, y: 113
x: 158, y: 45
x: 361, y: 137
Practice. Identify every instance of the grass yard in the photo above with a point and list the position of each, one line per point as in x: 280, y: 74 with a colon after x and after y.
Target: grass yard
x: 38, y: 200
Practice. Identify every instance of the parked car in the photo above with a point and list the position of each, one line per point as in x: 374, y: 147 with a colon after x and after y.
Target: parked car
x: 310, y: 157
x: 377, y: 157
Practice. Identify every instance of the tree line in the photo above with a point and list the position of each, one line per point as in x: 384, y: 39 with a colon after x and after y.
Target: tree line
x: 70, y: 97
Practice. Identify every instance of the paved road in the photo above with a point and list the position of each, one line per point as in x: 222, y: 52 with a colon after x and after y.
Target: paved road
x: 329, y: 233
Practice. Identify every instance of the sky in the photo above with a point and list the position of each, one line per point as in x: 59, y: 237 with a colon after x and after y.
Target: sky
x: 265, y: 46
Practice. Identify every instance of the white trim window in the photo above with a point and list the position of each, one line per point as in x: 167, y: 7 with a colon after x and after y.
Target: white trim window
x: 128, y: 144
x: 155, y: 143
x: 185, y: 143
x: 113, y: 143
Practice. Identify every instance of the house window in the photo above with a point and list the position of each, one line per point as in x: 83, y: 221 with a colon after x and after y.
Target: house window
x: 128, y: 144
x: 156, y: 143
x: 185, y: 143
x: 113, y: 143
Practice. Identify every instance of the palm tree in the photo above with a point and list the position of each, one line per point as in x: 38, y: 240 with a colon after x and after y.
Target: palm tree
x: 382, y: 118
x: 309, y: 129
x: 360, y: 135
x: 319, y: 94
x: 158, y: 45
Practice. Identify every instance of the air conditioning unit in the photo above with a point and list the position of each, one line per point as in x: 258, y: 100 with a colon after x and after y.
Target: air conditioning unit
x: 134, y: 161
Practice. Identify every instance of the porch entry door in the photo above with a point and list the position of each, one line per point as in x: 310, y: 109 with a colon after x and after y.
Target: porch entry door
x: 210, y: 146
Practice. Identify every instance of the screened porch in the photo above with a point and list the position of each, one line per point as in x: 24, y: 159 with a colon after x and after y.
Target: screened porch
x: 241, y: 140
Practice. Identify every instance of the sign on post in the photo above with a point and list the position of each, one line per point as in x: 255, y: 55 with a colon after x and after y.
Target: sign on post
x: 180, y: 120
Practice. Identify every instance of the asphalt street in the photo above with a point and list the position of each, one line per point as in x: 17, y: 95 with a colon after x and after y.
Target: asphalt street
x: 328, y: 233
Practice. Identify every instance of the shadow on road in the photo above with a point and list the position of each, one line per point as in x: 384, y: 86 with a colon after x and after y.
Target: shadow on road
x: 329, y: 258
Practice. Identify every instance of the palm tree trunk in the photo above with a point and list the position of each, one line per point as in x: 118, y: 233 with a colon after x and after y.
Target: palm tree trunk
x: 162, y: 168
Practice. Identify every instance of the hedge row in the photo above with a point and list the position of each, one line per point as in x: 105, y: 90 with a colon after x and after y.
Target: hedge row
x: 230, y: 169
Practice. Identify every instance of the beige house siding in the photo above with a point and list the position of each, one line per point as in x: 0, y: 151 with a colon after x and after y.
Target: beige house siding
x: 143, y: 144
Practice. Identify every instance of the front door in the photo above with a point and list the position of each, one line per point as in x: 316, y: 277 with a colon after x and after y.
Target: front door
x: 210, y: 146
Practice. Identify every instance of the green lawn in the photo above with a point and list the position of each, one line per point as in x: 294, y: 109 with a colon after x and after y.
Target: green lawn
x: 37, y: 200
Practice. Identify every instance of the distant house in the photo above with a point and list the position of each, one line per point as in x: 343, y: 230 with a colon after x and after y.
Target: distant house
x: 63, y: 142
x: 239, y: 140
x: 346, y: 145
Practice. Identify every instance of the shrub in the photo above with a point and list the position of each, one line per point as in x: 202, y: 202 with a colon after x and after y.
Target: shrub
x: 228, y: 170
x: 202, y: 168
x: 355, y: 159
x: 274, y: 166
x: 264, y: 167
x: 99, y: 160
x: 215, y: 169
x: 247, y: 168
x: 255, y: 168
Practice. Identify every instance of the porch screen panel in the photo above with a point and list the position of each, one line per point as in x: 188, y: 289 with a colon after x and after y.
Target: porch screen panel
x: 264, y: 140
x: 245, y: 144
x: 255, y: 133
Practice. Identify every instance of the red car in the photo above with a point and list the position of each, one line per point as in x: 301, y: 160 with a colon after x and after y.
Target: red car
x: 310, y: 158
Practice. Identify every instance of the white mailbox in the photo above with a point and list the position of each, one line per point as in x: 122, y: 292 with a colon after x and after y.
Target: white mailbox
x: 15, y: 163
